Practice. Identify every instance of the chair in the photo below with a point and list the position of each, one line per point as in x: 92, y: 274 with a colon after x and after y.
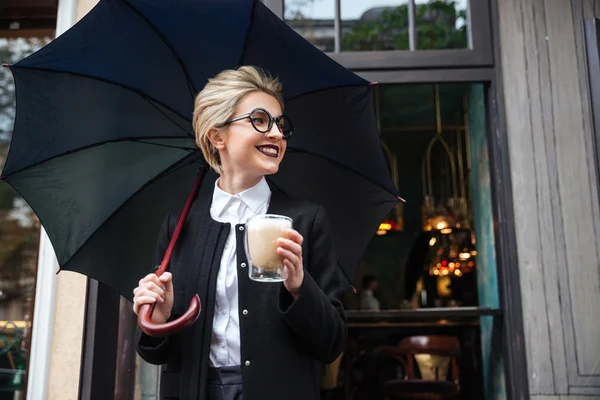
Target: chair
x: 353, y: 352
x: 436, y: 376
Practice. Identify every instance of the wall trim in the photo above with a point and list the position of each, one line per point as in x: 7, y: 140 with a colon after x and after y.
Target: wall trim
x: 46, y: 279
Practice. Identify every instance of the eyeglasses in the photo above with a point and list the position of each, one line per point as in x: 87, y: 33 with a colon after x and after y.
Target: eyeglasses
x: 262, y: 121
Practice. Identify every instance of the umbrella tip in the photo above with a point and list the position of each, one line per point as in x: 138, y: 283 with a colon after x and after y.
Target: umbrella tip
x: 5, y: 65
x: 353, y: 288
x: 401, y: 199
x: 373, y: 83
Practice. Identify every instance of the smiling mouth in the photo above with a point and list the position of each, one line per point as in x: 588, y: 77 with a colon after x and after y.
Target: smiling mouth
x: 269, y: 150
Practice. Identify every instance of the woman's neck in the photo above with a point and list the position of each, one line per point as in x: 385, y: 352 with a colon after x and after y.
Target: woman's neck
x: 234, y: 184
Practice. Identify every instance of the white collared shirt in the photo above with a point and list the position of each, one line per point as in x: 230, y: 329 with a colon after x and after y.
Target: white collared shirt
x: 232, y: 209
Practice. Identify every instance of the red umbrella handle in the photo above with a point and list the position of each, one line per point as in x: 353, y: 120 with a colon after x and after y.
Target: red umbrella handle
x: 193, y: 311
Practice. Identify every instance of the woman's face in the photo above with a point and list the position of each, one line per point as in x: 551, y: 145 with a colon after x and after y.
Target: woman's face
x: 244, y: 150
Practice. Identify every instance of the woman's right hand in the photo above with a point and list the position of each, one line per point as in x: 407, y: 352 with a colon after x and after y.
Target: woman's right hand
x: 153, y: 289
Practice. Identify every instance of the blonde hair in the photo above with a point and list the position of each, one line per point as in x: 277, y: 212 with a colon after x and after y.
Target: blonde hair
x: 218, y: 101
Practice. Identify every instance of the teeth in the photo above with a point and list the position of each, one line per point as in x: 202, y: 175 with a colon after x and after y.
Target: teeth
x: 268, y: 150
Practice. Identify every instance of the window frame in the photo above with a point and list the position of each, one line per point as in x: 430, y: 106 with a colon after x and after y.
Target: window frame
x: 480, y: 53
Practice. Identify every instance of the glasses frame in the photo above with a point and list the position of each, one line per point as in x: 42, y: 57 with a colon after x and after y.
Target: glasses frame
x: 286, y: 133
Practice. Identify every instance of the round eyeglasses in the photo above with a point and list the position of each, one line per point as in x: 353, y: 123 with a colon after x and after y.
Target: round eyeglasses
x: 262, y: 121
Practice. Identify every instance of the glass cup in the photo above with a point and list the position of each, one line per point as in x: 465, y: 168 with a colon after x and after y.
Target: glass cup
x: 262, y: 232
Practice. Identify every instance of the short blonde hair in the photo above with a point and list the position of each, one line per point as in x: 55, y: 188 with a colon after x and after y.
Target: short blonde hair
x: 218, y: 101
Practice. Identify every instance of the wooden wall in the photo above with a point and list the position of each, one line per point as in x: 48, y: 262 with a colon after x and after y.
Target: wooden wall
x: 555, y: 192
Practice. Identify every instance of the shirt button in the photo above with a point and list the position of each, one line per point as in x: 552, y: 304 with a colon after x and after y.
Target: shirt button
x: 245, y: 312
x: 241, y: 228
x: 243, y: 265
x: 247, y: 363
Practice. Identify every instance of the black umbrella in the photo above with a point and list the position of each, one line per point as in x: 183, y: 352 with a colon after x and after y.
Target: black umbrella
x: 103, y: 144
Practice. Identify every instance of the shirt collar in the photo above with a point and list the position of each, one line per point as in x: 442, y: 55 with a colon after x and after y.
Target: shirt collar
x: 253, y: 197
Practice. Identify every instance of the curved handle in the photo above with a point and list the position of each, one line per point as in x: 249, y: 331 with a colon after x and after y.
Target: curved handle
x: 190, y: 316
x: 171, y: 327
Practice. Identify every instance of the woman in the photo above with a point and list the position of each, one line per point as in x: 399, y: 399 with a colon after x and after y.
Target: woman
x: 253, y: 340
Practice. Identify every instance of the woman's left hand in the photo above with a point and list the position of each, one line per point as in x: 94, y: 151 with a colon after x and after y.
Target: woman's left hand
x: 290, y: 250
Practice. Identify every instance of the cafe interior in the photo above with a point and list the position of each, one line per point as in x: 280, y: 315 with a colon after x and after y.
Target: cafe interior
x: 421, y: 318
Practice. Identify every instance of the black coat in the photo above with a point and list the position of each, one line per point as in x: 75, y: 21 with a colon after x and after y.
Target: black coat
x: 281, y: 339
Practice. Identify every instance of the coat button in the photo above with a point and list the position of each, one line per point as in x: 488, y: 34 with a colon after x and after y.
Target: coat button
x: 243, y: 265
x: 241, y: 228
x: 245, y: 312
x: 247, y: 363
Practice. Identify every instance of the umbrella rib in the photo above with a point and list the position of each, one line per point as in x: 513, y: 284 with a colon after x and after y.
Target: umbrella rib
x: 295, y: 150
x: 187, y: 75
x: 296, y: 97
x: 248, y: 30
x: 82, y: 148
x: 145, y: 96
x: 176, y: 166
x: 188, y: 149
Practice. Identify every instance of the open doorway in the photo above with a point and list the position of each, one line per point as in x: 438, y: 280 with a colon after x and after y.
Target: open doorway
x: 431, y: 266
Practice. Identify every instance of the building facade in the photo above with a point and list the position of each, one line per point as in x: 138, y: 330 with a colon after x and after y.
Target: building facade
x: 531, y: 73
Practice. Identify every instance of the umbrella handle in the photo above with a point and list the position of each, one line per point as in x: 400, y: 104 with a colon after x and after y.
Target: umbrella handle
x: 171, y: 327
x: 193, y: 311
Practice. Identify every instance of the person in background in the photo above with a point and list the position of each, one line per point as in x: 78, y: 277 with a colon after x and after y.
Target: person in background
x: 368, y: 297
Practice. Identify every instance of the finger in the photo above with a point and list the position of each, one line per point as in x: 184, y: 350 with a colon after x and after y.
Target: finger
x: 293, y: 234
x: 289, y: 256
x: 149, y: 293
x: 285, y: 270
x: 147, y: 278
x: 151, y: 278
x: 290, y: 245
x: 167, y: 280
x: 145, y: 300
x: 136, y: 306
x: 153, y: 287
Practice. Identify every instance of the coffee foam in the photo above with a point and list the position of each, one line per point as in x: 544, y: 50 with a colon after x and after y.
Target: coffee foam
x: 262, y: 241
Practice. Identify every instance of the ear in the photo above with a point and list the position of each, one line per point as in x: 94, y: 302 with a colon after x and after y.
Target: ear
x: 215, y: 136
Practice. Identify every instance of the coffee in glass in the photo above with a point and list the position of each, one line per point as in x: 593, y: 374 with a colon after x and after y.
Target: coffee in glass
x: 262, y: 232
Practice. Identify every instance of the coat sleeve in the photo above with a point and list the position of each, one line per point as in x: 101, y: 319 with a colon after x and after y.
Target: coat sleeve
x: 156, y: 350
x: 317, y: 316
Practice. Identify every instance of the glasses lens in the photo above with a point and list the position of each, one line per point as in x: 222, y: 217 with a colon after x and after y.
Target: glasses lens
x: 260, y: 120
x: 285, y: 126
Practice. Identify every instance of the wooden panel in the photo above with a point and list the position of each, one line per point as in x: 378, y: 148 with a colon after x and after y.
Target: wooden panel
x: 585, y: 289
x: 576, y: 201
x: 522, y: 146
x: 555, y: 189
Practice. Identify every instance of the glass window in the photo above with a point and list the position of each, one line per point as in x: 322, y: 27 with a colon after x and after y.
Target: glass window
x: 19, y: 240
x: 428, y: 252
x: 438, y: 252
x: 441, y: 24
x: 314, y: 20
x: 376, y: 25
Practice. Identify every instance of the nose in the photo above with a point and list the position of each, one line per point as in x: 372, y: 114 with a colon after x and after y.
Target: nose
x: 274, y: 132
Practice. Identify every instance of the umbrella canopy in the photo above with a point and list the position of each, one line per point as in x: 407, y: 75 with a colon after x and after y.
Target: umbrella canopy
x: 103, y: 146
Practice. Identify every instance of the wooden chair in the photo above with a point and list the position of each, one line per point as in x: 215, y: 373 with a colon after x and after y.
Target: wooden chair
x: 431, y: 365
x: 353, y: 352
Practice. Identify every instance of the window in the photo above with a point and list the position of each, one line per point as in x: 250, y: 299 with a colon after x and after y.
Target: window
x: 381, y: 25
x: 438, y: 249
x: 19, y: 240
x: 394, y: 34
